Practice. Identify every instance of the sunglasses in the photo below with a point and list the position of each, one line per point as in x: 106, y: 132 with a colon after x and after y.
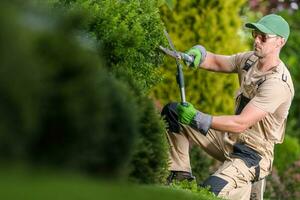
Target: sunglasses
x: 262, y: 36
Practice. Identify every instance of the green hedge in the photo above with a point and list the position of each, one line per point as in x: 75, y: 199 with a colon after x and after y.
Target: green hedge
x: 59, y: 106
x: 129, y: 33
x: 149, y: 163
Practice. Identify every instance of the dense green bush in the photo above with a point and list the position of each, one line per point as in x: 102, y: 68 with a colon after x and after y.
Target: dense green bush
x: 129, y: 33
x: 149, y: 161
x: 59, y: 106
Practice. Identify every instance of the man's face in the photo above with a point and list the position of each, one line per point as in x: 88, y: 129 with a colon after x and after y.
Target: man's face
x: 265, y: 44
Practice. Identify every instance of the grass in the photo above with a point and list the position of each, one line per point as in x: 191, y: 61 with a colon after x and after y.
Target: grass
x: 20, y: 183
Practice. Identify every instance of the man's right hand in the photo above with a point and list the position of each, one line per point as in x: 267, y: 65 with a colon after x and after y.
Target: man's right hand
x: 186, y: 113
x: 199, y: 54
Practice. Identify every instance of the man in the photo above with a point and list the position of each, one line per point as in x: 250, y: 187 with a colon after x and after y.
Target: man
x: 244, y: 142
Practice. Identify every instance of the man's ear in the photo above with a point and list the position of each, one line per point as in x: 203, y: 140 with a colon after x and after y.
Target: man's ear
x: 282, y: 42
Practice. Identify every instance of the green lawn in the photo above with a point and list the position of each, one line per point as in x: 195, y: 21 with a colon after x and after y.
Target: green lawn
x: 32, y: 185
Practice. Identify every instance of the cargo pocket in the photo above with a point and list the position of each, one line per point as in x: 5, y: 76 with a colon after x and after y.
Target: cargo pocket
x: 237, y: 172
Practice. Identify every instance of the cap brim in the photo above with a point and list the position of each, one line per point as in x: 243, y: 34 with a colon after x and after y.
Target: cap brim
x: 259, y: 27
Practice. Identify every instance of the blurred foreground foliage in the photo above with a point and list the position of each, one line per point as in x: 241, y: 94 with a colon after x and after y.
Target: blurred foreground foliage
x: 48, y: 185
x: 58, y: 103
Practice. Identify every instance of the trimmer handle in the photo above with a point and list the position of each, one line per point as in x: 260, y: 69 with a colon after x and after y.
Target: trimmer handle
x: 187, y: 58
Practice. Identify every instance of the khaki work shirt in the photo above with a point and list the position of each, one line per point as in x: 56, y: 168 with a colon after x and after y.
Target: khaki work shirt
x: 270, y: 91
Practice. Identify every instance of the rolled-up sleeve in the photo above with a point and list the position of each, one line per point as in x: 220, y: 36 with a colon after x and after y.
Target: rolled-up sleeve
x: 238, y: 60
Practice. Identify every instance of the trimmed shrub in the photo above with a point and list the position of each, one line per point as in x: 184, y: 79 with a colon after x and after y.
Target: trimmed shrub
x: 60, y: 107
x: 129, y: 33
x: 149, y: 163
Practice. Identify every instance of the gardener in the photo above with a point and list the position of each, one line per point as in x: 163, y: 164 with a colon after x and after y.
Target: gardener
x: 244, y: 142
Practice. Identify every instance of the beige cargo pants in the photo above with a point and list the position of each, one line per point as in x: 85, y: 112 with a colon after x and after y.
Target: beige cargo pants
x: 233, y: 180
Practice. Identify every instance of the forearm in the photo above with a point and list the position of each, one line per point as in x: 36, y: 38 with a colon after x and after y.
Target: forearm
x: 226, y: 123
x: 217, y: 63
x: 229, y: 123
x: 238, y: 123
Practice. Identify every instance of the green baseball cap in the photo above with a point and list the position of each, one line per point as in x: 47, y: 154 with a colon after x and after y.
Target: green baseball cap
x: 272, y: 24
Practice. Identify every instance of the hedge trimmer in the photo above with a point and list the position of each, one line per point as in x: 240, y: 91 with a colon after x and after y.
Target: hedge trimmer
x: 178, y: 56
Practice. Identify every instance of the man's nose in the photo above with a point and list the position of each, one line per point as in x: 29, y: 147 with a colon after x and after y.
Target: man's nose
x: 257, y: 39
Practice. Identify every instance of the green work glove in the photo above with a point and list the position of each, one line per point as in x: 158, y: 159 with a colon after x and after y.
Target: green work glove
x: 186, y: 113
x: 199, y: 54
